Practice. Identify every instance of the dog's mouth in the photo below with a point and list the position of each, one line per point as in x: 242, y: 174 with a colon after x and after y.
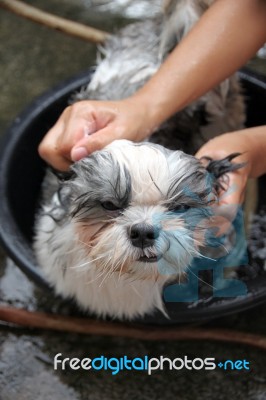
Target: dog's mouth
x: 150, y: 259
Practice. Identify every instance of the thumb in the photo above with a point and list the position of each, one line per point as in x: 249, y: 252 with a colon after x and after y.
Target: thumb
x: 91, y: 143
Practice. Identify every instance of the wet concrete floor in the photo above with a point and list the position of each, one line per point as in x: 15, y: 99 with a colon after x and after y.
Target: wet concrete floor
x: 32, y: 60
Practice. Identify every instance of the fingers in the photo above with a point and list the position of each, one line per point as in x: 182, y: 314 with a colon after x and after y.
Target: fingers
x: 96, y: 141
x: 87, y: 126
x: 225, y: 210
x: 76, y: 123
x: 48, y: 148
x: 221, y: 147
x: 235, y: 192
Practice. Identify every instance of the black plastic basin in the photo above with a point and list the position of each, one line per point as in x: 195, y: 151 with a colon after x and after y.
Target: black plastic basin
x: 21, y: 173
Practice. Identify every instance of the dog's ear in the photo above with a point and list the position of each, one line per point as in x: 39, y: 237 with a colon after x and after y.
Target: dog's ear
x: 219, y: 168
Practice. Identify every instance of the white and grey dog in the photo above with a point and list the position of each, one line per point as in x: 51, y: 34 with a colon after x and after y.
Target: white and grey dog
x: 119, y: 229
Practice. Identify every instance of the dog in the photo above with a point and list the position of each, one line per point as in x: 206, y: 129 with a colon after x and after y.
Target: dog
x: 122, y: 227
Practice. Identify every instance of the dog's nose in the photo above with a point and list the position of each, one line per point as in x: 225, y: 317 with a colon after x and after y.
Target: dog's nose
x: 143, y: 235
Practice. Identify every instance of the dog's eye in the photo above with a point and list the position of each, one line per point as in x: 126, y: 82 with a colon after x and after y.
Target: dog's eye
x: 108, y: 205
x: 180, y: 208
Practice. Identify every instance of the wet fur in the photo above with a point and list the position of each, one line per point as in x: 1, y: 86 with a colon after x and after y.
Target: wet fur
x: 84, y: 249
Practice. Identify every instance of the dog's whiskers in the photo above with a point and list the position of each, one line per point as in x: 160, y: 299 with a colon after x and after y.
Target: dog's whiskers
x: 86, y: 244
x: 96, y: 278
x: 202, y: 280
x: 108, y: 275
x: 87, y: 262
x: 136, y: 291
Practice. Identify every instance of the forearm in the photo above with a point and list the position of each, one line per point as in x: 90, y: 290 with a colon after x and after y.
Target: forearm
x: 226, y: 36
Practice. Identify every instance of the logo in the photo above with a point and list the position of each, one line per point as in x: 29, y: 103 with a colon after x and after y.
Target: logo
x: 116, y: 365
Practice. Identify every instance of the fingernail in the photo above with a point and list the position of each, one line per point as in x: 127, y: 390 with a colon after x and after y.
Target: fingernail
x: 79, y: 153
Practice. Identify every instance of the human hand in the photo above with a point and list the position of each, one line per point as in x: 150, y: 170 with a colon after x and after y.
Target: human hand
x: 87, y: 126
x: 221, y: 147
x: 231, y: 197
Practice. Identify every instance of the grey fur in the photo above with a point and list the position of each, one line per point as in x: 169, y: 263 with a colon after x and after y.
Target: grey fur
x: 98, y: 179
x: 86, y: 219
x: 127, y: 47
x: 136, y: 53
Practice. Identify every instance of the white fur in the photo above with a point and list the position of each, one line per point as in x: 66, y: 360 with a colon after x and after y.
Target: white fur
x: 95, y: 276
x: 120, y: 296
x: 105, y: 276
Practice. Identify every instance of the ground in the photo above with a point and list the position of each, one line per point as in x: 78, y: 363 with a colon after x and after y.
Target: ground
x: 33, y: 59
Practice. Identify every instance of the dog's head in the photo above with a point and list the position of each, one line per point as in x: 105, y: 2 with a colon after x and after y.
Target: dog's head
x: 142, y: 209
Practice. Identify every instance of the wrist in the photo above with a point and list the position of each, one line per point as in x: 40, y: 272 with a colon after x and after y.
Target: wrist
x: 144, y: 114
x: 152, y: 108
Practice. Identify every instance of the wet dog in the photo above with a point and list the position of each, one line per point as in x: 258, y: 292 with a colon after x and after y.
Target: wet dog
x: 123, y: 225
